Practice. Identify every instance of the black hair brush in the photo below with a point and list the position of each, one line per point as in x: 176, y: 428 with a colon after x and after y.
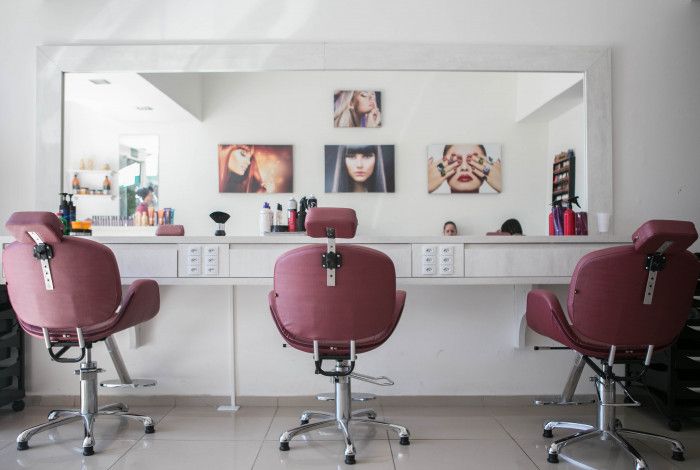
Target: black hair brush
x: 220, y: 218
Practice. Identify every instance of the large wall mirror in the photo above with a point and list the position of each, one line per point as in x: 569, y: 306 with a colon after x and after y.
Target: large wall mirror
x: 122, y: 106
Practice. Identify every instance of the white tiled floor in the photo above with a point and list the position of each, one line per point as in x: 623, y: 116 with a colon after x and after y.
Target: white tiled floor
x: 442, y: 438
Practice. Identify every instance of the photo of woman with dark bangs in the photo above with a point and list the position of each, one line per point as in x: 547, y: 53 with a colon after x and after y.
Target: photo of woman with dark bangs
x: 359, y: 168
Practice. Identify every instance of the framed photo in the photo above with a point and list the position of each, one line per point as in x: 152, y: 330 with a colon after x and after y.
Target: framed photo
x: 465, y: 168
x: 357, y: 108
x: 248, y: 168
x: 359, y: 168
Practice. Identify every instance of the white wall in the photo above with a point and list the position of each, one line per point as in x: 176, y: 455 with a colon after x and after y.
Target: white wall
x: 656, y: 110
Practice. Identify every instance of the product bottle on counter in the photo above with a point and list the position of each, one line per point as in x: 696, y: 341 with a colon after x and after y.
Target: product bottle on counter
x: 106, y: 184
x: 75, y: 183
x: 292, y: 220
x: 265, y: 219
x: 71, y: 209
x: 278, y: 219
x: 312, y: 201
x: 301, y: 215
x: 570, y: 217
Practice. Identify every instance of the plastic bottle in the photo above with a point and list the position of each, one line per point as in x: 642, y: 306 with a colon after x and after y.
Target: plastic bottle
x: 551, y: 222
x: 570, y: 217
x: 301, y: 215
x: 75, y: 183
x: 71, y: 209
x: 292, y: 220
x: 106, y: 184
x: 265, y: 219
x: 312, y: 201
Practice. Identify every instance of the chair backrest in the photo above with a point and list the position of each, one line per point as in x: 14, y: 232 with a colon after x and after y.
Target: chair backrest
x: 86, y: 283
x: 609, y: 286
x: 359, y: 306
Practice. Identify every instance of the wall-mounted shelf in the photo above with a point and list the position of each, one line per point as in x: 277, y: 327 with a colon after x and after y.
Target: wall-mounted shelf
x: 110, y: 172
x: 563, y: 179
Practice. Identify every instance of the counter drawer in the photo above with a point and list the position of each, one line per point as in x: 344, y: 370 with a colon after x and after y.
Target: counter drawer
x: 145, y: 261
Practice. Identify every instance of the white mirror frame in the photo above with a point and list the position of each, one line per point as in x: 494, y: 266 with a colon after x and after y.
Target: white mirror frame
x: 593, y: 62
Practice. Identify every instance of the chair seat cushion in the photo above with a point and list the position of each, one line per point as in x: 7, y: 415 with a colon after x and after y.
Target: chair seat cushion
x: 335, y: 349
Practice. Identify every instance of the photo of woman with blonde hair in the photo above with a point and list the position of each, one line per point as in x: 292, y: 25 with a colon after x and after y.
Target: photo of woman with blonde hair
x: 357, y: 108
x: 359, y: 168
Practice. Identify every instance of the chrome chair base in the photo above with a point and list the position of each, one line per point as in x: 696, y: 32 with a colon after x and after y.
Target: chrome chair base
x: 608, y: 427
x: 87, y: 413
x: 342, y: 418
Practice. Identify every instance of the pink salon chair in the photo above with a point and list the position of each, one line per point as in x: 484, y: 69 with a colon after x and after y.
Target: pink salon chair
x: 624, y: 303
x: 336, y: 302
x: 67, y: 291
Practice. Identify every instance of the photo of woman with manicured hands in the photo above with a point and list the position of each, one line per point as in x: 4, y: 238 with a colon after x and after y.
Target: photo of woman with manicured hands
x: 464, y: 168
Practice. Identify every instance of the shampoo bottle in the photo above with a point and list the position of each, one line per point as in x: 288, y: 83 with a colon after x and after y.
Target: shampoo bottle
x: 265, y: 219
x: 570, y: 217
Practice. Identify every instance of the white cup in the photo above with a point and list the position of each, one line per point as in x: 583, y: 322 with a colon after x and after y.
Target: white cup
x: 603, y: 222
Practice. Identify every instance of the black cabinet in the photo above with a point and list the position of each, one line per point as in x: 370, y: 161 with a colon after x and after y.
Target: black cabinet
x: 11, y: 355
x: 673, y: 378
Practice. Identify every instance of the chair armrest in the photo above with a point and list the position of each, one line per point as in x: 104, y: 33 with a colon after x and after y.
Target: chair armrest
x: 141, y: 303
x: 545, y: 315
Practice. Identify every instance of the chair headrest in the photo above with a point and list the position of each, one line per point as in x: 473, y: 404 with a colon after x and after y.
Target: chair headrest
x: 44, y: 224
x: 170, y: 230
x: 343, y: 220
x: 654, y: 233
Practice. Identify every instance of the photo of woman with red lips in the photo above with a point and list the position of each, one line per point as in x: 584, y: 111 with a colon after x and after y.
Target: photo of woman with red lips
x: 464, y: 168
x: 246, y: 168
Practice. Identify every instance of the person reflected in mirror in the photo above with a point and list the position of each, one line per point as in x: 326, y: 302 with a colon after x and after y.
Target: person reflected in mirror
x: 147, y: 198
x: 449, y: 229
x: 512, y: 226
x: 359, y: 169
x: 357, y: 108
x: 465, y: 168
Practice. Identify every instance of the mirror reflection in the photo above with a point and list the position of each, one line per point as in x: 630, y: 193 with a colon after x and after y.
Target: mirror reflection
x: 118, y: 125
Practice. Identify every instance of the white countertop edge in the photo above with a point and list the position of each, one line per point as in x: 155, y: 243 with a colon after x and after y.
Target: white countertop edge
x: 302, y: 239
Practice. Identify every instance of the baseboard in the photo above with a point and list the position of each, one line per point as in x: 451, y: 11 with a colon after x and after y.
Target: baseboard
x: 251, y: 400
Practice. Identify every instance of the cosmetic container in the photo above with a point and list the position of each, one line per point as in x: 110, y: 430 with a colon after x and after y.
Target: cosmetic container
x: 292, y: 221
x: 265, y: 219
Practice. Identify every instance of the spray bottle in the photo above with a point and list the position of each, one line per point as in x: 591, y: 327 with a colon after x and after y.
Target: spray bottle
x: 292, y: 220
x: 570, y: 217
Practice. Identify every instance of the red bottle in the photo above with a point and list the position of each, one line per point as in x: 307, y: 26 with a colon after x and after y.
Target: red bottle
x: 569, y: 221
x: 551, y: 223
x: 292, y: 220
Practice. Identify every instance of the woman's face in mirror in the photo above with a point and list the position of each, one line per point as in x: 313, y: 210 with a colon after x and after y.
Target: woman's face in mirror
x: 360, y: 166
x: 364, y: 101
x: 240, y: 159
x: 464, y: 179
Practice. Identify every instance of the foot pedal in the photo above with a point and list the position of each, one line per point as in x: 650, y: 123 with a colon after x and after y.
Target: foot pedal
x: 135, y: 383
x: 355, y: 397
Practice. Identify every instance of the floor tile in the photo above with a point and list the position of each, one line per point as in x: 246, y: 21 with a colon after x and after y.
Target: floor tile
x: 204, y: 423
x: 288, y: 417
x: 446, y: 422
x: 64, y: 455
x: 592, y: 454
x: 460, y: 455
x: 188, y: 455
x: 4, y: 444
x: 310, y: 455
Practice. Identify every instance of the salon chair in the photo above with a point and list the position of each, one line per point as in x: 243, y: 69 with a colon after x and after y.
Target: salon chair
x: 624, y: 303
x: 67, y: 291
x: 336, y: 302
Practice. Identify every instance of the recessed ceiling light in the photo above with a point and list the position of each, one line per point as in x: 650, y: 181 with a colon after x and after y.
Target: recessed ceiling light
x: 144, y: 108
x: 100, y: 81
